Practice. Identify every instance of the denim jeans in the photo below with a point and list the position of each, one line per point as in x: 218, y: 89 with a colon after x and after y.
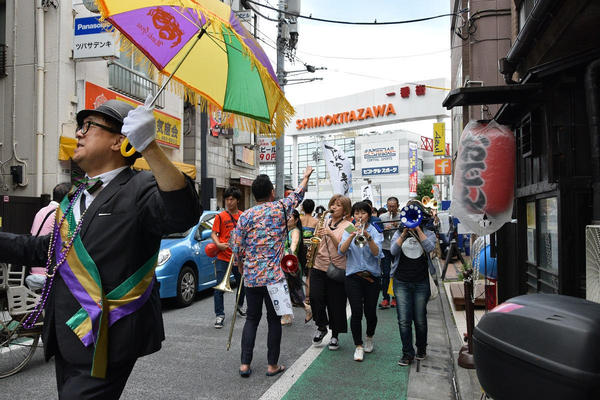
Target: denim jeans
x: 221, y: 268
x: 362, y: 296
x: 386, y: 265
x: 412, y: 307
x: 255, y: 296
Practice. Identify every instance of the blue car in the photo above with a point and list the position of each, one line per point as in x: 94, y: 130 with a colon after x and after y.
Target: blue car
x: 183, y: 268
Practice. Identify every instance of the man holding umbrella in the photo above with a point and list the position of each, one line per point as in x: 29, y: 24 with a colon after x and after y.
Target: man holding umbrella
x: 102, y: 306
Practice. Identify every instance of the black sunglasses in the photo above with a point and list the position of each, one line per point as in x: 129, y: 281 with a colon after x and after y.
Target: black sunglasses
x: 85, y: 127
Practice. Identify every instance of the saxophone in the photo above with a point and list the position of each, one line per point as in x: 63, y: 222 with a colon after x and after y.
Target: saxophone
x: 315, y: 241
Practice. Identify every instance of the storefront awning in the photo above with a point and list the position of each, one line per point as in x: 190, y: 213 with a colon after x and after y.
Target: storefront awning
x: 478, y: 95
x: 67, y: 148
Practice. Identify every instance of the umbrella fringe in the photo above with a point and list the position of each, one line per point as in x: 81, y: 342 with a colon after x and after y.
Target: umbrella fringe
x: 282, y: 112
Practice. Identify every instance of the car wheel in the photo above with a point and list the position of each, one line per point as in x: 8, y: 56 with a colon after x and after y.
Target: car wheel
x: 186, y: 286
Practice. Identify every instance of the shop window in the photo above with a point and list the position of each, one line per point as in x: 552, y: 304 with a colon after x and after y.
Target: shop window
x: 526, y: 137
x: 548, y: 236
x: 542, y: 245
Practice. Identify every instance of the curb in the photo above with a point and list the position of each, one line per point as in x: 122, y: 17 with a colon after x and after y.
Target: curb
x: 464, y: 381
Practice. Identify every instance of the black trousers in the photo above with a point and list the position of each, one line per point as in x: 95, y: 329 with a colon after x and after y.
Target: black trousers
x: 255, y: 297
x: 74, y: 382
x: 328, y: 302
x: 363, y: 296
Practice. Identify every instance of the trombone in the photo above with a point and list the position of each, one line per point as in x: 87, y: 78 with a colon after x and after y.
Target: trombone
x: 225, y: 286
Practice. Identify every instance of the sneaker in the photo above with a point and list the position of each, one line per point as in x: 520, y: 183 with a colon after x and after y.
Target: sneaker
x: 359, y: 353
x: 394, y: 302
x: 334, y: 344
x: 319, y: 335
x: 405, y: 360
x: 241, y: 311
x: 368, y: 345
x: 219, y: 322
x: 421, y: 355
x: 384, y: 304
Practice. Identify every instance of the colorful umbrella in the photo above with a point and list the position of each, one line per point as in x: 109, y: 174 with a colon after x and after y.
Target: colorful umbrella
x: 202, y: 45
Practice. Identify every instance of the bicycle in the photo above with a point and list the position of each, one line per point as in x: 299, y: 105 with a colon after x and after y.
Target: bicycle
x: 17, y: 344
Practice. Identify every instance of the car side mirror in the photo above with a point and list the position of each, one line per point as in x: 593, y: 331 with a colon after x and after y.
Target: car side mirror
x: 205, y: 234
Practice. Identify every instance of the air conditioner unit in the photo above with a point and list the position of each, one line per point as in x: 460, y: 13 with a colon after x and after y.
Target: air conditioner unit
x: 592, y: 263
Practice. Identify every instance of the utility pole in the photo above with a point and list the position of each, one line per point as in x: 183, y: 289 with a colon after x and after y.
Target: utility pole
x: 280, y: 142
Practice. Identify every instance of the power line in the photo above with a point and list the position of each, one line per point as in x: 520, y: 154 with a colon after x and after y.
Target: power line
x: 351, y: 22
x: 377, y: 58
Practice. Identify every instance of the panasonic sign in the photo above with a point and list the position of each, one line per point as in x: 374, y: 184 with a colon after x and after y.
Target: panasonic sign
x: 92, y: 40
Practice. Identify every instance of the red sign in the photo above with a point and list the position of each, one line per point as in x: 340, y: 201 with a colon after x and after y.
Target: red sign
x: 168, y: 127
x: 413, y: 180
x: 443, y: 166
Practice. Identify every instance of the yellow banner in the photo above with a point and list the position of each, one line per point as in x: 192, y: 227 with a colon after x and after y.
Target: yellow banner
x: 168, y: 129
x: 439, y: 139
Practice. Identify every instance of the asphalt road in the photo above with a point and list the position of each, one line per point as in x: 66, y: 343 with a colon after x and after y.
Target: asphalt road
x: 193, y: 363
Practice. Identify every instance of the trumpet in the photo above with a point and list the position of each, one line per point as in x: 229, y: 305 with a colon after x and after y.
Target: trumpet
x: 361, y: 240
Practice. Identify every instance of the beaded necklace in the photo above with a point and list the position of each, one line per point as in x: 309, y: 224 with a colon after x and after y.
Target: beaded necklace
x: 60, y: 259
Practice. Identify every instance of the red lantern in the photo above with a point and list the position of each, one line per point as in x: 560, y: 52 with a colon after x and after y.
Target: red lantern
x: 484, y: 173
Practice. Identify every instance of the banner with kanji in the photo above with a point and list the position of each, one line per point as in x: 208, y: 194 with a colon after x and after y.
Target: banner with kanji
x: 339, y: 167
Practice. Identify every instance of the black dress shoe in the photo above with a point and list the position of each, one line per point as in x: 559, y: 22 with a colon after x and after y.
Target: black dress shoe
x: 241, y: 312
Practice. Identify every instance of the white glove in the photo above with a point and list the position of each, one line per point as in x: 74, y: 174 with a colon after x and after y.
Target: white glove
x: 139, y: 126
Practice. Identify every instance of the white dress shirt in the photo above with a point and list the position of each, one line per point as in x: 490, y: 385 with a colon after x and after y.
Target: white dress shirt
x: 89, y: 197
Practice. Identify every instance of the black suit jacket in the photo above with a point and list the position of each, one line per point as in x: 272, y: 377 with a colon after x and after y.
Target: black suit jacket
x: 122, y: 229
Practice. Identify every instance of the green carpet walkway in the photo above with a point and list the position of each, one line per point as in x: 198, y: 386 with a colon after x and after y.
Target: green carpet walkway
x: 335, y: 374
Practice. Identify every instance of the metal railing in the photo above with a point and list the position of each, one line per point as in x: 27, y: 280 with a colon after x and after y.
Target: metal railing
x: 3, y: 51
x: 132, y: 83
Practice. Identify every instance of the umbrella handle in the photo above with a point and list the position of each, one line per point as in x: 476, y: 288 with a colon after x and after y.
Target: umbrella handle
x: 131, y: 151
x: 124, y: 151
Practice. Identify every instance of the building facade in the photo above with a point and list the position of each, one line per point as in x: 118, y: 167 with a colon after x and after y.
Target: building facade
x: 550, y: 98
x: 56, y: 60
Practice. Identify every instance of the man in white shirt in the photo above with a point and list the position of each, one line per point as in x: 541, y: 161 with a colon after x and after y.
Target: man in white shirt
x: 386, y: 262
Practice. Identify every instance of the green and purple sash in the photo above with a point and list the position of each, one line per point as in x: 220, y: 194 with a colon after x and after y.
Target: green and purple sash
x: 98, y: 310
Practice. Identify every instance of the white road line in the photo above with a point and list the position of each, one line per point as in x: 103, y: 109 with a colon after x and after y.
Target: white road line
x: 291, y: 375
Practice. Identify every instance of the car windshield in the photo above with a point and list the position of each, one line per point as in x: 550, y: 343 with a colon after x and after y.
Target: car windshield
x: 206, y: 222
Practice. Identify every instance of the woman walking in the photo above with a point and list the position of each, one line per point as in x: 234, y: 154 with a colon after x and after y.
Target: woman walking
x: 328, y: 296
x: 295, y: 246
x: 362, y: 275
x: 410, y: 269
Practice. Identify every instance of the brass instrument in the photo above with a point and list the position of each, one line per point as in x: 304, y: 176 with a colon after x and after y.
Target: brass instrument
x: 429, y: 202
x: 237, y: 298
x: 225, y: 285
x: 361, y: 240
x: 315, y: 240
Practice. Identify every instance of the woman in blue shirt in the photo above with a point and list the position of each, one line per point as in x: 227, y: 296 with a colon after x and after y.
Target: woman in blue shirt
x: 362, y: 276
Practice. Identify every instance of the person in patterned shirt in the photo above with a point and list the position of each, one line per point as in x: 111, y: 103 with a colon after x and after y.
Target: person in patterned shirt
x: 257, y: 244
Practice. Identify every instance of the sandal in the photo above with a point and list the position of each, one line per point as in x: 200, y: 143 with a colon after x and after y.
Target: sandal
x: 308, y: 311
x: 246, y: 373
x: 278, y: 371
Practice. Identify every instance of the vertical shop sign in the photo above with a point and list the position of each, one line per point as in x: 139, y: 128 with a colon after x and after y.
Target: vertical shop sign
x: 439, y: 139
x: 413, y: 173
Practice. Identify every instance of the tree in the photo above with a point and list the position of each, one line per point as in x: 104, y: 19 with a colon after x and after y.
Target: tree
x: 424, y: 188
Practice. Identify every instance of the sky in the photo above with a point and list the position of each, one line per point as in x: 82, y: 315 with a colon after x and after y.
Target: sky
x: 360, y: 58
